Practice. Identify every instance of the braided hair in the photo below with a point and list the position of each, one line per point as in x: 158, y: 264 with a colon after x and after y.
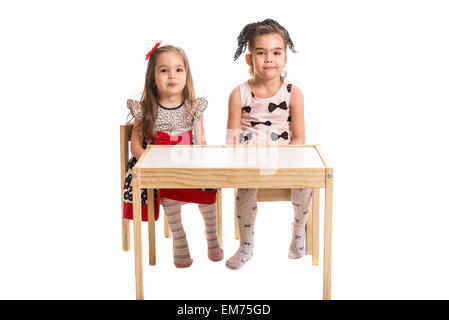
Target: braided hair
x: 250, y: 31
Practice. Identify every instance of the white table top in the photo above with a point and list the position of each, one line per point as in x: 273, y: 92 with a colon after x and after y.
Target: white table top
x: 230, y: 157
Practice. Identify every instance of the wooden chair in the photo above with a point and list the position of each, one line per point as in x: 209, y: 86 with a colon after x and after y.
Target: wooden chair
x: 312, y: 226
x: 125, y: 138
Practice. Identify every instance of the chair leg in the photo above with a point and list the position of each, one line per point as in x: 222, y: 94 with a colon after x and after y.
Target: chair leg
x: 315, y: 225
x: 309, y: 233
x: 219, y: 216
x: 151, y: 229
x: 167, y: 232
x: 125, y: 234
x: 236, y: 227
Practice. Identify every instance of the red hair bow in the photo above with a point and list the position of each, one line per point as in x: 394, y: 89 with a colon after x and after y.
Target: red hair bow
x: 151, y: 51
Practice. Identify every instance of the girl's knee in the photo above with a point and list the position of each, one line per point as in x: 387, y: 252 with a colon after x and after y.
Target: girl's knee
x: 304, y: 194
x: 169, y: 202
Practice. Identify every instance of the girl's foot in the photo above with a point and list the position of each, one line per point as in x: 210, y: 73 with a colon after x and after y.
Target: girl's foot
x: 186, y: 264
x: 214, y: 250
x: 239, y: 259
x: 296, y: 249
x: 181, y: 253
x: 216, y: 256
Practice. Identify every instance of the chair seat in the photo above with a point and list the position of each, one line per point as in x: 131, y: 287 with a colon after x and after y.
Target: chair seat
x: 273, y: 195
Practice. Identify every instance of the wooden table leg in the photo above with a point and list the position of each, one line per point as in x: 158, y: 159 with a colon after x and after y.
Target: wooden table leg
x: 137, y: 217
x: 151, y: 228
x: 328, y: 235
x: 315, y: 226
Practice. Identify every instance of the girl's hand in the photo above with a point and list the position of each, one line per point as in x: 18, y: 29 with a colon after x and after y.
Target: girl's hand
x: 137, y: 140
x: 297, y: 116
x: 198, y: 132
x: 234, y: 117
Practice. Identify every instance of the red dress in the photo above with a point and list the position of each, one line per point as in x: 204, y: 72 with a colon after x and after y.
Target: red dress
x: 200, y: 196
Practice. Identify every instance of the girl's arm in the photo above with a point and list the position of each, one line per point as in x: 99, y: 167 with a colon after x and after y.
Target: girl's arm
x: 198, y: 131
x: 297, y: 116
x: 234, y: 117
x: 137, y: 140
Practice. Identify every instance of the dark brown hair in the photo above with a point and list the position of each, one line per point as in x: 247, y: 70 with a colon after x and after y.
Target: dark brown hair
x: 252, y: 30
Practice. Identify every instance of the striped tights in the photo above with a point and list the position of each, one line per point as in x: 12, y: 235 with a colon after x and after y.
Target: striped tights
x: 181, y: 253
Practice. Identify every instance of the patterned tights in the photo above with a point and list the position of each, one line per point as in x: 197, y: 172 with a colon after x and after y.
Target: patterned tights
x: 246, y: 206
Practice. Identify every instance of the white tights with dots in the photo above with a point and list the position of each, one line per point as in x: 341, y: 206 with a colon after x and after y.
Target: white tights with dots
x: 246, y: 205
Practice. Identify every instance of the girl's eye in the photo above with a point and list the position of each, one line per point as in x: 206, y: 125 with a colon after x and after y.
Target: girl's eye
x: 163, y: 70
x: 260, y: 53
x: 179, y: 70
x: 277, y: 53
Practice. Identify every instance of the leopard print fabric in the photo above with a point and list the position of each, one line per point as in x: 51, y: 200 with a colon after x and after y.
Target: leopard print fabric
x: 172, y: 121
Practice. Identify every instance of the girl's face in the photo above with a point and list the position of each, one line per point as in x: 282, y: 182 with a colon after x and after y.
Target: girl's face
x: 268, y: 56
x: 170, y: 74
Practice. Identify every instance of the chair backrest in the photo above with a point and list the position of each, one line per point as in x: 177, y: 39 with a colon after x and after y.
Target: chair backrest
x: 125, y: 138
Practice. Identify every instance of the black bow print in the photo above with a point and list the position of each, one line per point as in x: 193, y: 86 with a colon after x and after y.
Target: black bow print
x: 247, y: 109
x: 255, y: 123
x: 272, y: 106
x: 245, y: 138
x: 275, y: 136
x: 247, y: 226
x: 289, y: 119
x: 289, y: 88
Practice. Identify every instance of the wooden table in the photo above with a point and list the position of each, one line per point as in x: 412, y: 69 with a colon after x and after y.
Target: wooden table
x: 259, y: 167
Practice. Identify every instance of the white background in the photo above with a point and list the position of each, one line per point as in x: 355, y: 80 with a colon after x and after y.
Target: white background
x: 375, y: 77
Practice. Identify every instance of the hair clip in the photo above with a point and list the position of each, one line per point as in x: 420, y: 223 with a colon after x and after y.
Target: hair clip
x: 151, y: 51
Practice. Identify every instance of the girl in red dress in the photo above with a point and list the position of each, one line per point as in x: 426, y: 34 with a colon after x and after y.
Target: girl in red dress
x: 169, y: 114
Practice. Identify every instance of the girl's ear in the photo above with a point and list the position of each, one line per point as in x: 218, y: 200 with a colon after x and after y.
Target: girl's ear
x: 249, y: 61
